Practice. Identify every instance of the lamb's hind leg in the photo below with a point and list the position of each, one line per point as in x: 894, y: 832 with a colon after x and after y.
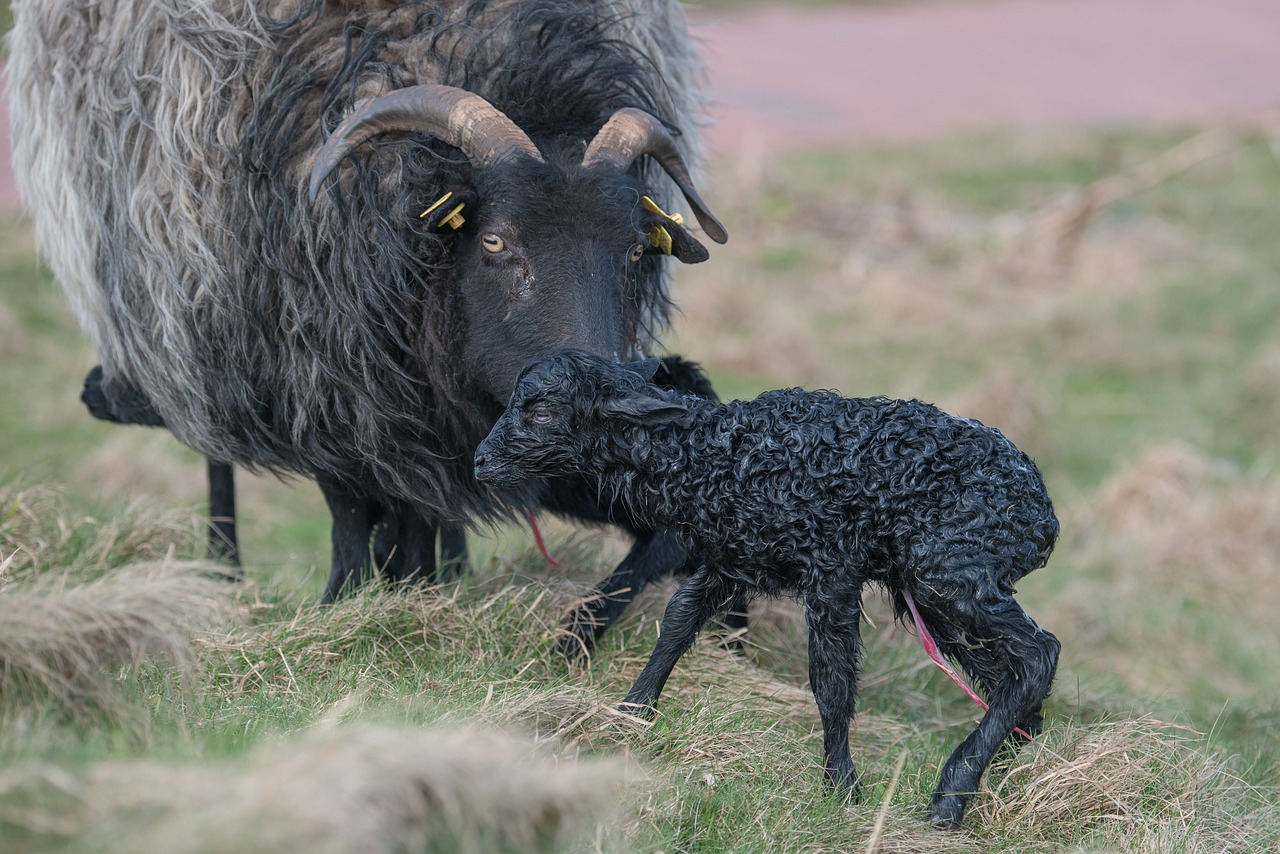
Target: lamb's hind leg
x: 833, y: 610
x: 987, y: 633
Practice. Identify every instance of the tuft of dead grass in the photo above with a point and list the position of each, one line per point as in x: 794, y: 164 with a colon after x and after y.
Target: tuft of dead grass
x: 1133, y: 785
x: 39, y: 531
x: 360, y: 788
x: 579, y: 716
x: 492, y: 625
x: 67, y: 642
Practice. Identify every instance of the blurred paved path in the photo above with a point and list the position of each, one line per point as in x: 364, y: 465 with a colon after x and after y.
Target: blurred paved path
x: 789, y: 77
x: 796, y: 77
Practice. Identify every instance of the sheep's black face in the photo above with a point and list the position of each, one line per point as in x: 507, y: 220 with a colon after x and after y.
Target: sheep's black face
x: 555, y: 256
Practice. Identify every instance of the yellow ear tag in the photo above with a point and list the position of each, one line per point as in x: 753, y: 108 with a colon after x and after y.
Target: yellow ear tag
x: 659, y: 236
x: 453, y: 219
x: 661, y: 239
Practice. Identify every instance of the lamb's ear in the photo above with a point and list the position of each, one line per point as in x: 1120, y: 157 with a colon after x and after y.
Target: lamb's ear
x: 644, y: 410
x: 644, y: 369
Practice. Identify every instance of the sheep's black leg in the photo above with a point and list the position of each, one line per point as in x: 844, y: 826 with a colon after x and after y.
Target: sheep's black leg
x: 453, y: 552
x: 703, y: 596
x: 353, y: 520
x: 833, y: 611
x: 223, y: 543
x: 1004, y: 651
x: 404, y: 548
x: 652, y: 556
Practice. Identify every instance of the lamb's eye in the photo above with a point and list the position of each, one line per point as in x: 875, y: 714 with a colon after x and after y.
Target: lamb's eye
x: 541, y: 413
x: 493, y: 243
x: 637, y: 252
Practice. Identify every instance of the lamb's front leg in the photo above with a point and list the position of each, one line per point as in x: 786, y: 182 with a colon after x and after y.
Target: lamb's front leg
x: 833, y: 610
x: 703, y: 596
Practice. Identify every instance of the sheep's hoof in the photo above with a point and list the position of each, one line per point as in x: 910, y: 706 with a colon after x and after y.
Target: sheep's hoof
x: 948, y: 811
x: 843, y: 785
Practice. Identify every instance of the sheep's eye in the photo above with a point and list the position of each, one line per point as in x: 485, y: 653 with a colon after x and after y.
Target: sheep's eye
x: 541, y: 413
x: 493, y: 243
x: 637, y: 252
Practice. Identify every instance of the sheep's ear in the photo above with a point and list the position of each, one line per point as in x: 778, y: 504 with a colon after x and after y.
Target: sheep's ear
x: 644, y: 410
x: 645, y: 369
x: 685, y: 247
x: 669, y: 237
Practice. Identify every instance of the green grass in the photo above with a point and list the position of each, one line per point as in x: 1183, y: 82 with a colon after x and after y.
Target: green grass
x: 1140, y: 370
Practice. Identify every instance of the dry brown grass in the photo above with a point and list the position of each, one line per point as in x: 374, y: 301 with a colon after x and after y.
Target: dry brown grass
x: 1196, y: 523
x: 499, y: 619
x: 1180, y: 554
x: 40, y: 532
x: 68, y: 642
x: 143, y: 462
x: 1139, y: 784
x: 343, y: 789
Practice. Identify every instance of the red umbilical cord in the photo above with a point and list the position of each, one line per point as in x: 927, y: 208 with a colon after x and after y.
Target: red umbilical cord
x: 542, y: 545
x: 931, y: 649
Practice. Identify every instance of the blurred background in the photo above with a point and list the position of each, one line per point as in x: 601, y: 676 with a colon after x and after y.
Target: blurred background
x: 1058, y: 216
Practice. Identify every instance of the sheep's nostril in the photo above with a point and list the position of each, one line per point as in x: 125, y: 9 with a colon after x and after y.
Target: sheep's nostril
x: 481, y: 461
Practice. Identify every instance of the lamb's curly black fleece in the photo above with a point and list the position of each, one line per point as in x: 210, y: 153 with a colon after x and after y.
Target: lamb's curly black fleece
x: 811, y: 493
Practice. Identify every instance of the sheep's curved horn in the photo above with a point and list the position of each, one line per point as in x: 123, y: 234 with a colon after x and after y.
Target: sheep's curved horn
x: 461, y: 118
x: 632, y: 133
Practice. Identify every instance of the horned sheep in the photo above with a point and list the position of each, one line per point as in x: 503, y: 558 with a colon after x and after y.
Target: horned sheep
x: 322, y: 237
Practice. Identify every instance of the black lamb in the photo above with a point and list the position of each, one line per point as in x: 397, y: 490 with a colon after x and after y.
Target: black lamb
x: 814, y: 494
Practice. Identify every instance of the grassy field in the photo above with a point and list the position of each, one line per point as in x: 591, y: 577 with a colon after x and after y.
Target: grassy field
x: 1110, y: 300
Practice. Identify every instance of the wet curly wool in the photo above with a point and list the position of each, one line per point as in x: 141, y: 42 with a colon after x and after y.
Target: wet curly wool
x: 811, y: 493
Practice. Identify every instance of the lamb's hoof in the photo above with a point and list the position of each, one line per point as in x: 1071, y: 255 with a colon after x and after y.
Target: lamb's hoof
x: 948, y: 811
x: 1031, y: 725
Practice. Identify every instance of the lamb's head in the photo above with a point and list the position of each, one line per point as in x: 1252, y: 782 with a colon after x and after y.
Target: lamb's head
x: 552, y: 248
x: 566, y: 413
